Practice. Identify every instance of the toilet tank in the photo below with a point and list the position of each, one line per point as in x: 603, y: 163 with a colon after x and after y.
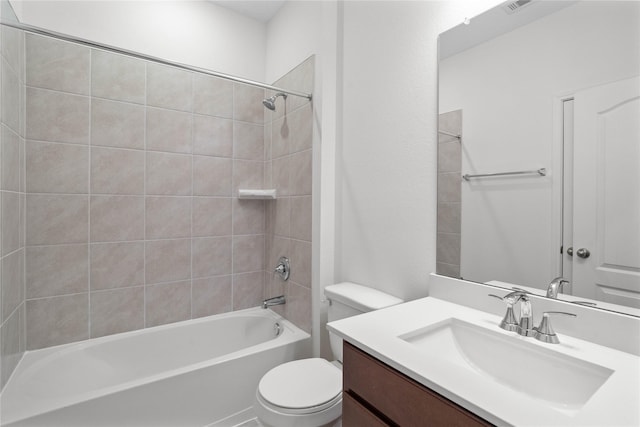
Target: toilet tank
x: 350, y: 299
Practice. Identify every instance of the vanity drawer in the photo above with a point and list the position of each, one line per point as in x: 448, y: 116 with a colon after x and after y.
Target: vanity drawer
x: 354, y: 414
x: 396, y: 398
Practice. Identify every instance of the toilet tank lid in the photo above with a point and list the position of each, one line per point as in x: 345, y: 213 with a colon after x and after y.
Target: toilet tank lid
x: 360, y: 297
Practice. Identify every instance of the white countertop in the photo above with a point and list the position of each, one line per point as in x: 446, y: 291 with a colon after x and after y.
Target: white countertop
x: 615, y: 403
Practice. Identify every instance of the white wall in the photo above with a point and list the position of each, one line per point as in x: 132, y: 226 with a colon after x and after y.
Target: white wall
x: 386, y: 191
x: 197, y: 33
x: 293, y: 35
x: 506, y: 88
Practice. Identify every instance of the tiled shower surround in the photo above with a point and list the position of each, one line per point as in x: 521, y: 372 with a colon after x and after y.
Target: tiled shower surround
x: 449, y: 194
x: 132, y: 215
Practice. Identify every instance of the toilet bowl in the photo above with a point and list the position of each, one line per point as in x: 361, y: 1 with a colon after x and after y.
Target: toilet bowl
x: 308, y: 392
x: 301, y: 393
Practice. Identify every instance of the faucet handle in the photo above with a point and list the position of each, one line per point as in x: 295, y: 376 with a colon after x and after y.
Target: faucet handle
x: 545, y: 332
x: 509, y: 321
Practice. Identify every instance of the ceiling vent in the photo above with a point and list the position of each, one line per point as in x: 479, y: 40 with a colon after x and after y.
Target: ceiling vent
x: 515, y: 6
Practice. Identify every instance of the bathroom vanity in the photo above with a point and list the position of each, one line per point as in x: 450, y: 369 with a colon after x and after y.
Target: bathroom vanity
x: 444, y: 360
x: 377, y: 395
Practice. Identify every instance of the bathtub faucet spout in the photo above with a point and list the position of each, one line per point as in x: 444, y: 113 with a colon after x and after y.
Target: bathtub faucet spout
x: 273, y: 301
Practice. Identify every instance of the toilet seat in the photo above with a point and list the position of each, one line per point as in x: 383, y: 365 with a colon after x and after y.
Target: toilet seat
x: 302, y: 386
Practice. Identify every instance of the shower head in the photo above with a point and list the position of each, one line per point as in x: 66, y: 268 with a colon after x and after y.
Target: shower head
x: 270, y: 102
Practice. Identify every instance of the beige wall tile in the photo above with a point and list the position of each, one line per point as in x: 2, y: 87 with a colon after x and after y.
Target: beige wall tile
x: 211, y: 216
x: 450, y: 157
x: 12, y: 282
x: 448, y: 248
x: 449, y: 217
x: 167, y: 260
x: 449, y: 270
x: 211, y: 176
x: 282, y: 216
x: 168, y: 87
x: 116, y: 265
x: 247, y: 103
x: 57, y: 270
x: 168, y: 217
x: 10, y: 222
x: 301, y: 125
x: 57, y: 116
x: 211, y: 256
x: 300, y: 78
x: 301, y: 218
x: 57, y: 168
x: 211, y: 295
x: 57, y: 320
x: 167, y: 303
x: 168, y: 130
x: 248, y: 253
x: 300, y: 175
x: 117, y: 171
x: 212, y: 136
x: 168, y: 174
x: 117, y: 310
x: 57, y: 65
x: 10, y: 101
x: 267, y: 141
x: 117, y: 77
x: 117, y: 124
x: 449, y: 187
x: 116, y: 218
x: 56, y: 219
x: 248, y: 141
x: 247, y: 290
x: 191, y: 251
x: 12, y: 46
x: 278, y: 247
x: 300, y: 262
x: 280, y: 138
x: 247, y: 174
x: 212, y: 96
x: 298, y: 306
x: 10, y: 155
x: 248, y: 216
x: 280, y: 173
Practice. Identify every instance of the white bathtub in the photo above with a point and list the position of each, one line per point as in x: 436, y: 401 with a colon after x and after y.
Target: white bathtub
x: 190, y: 373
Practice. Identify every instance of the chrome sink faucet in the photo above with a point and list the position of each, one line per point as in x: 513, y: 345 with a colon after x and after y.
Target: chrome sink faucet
x: 544, y: 332
x: 524, y: 326
x: 556, y: 286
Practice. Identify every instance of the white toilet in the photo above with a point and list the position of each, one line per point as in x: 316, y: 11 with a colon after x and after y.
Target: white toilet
x: 308, y: 392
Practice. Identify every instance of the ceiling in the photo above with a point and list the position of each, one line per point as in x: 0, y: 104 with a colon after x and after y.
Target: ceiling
x: 261, y: 10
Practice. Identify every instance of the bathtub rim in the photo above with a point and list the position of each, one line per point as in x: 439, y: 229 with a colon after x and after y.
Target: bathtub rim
x: 290, y: 334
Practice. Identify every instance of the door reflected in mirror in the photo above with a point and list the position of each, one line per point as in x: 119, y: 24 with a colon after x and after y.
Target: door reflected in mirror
x: 539, y: 109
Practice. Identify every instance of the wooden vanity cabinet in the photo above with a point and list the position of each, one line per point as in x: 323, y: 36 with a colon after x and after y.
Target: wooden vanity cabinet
x: 377, y: 395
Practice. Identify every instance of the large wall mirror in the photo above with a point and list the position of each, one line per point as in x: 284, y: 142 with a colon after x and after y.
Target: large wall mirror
x: 539, y: 149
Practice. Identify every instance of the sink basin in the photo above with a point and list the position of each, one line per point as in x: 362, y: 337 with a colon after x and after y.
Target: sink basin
x: 526, y: 367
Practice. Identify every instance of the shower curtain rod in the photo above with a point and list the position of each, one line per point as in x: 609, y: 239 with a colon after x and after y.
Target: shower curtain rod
x: 60, y: 36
